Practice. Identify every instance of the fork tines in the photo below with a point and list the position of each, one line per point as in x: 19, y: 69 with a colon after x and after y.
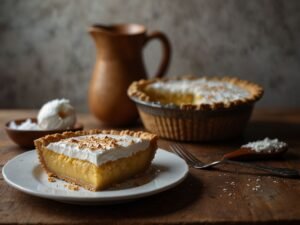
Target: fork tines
x: 186, y: 155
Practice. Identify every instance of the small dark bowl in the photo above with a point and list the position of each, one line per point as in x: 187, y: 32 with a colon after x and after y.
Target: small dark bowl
x: 25, y: 138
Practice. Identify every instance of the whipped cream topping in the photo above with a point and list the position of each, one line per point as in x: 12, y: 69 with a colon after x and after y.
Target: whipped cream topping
x: 266, y: 145
x: 205, y: 90
x: 99, y: 148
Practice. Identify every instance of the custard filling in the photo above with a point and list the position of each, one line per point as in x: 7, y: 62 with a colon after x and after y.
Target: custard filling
x: 95, y: 177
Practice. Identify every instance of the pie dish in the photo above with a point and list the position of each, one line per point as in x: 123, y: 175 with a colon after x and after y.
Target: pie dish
x: 195, y: 108
x: 96, y: 159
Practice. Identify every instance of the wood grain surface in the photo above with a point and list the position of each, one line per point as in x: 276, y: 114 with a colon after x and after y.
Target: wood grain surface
x: 225, y: 195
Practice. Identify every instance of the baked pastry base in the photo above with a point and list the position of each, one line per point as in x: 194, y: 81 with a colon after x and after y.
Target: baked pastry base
x: 193, y: 125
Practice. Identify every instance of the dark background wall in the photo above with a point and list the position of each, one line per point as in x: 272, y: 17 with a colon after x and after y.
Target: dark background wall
x: 45, y: 51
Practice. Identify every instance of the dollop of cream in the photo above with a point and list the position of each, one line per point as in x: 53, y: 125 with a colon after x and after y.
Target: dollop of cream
x: 54, y: 115
x: 57, y: 114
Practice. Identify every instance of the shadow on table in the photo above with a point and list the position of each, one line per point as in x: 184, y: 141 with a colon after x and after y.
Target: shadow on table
x: 167, y: 202
x: 160, y: 204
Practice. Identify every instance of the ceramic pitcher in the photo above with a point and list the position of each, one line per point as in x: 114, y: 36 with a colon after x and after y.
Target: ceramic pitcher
x: 120, y: 62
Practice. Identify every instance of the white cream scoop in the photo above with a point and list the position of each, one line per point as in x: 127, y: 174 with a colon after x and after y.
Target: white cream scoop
x: 57, y: 114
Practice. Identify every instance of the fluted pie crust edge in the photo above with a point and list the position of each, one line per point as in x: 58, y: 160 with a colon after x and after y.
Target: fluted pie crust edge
x: 136, y: 90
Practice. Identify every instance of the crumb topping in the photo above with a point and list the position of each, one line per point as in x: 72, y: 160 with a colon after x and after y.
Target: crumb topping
x: 95, y: 143
x: 51, y: 179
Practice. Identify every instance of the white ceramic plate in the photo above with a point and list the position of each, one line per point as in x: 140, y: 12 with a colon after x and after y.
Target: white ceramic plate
x: 25, y: 174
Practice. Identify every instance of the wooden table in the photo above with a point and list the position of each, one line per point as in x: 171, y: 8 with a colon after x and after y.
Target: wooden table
x: 226, y: 195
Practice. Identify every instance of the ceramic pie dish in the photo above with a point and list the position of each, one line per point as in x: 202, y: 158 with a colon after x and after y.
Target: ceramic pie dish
x: 195, y: 108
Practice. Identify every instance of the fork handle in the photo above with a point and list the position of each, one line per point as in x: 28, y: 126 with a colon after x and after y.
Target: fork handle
x: 283, y: 172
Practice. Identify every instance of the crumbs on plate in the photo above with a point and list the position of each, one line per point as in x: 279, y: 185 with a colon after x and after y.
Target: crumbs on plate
x: 72, y: 187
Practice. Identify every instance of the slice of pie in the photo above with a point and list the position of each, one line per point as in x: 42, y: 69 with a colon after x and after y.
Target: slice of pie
x: 96, y: 159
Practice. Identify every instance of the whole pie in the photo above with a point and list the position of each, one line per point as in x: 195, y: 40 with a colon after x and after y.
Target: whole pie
x: 198, y: 93
x: 193, y: 108
x: 96, y: 159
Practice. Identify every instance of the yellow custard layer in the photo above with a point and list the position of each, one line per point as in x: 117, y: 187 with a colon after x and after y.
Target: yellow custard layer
x: 166, y: 97
x: 94, y: 177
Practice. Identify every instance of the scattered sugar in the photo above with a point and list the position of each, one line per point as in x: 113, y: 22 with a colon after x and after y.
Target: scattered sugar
x: 254, y: 189
x: 266, y: 146
x: 253, y: 184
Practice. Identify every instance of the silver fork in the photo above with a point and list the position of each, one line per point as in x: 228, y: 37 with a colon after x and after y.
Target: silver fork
x: 197, y: 164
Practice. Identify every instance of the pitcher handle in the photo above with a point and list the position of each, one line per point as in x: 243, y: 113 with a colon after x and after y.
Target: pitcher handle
x: 166, y: 51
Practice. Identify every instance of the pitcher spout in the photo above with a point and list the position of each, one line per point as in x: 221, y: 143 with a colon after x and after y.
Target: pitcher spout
x: 94, y: 30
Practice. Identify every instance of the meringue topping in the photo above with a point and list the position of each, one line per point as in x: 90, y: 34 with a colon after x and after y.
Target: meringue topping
x: 99, y: 148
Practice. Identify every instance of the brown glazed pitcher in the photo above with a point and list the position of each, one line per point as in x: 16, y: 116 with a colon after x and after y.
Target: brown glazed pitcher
x: 119, y: 63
